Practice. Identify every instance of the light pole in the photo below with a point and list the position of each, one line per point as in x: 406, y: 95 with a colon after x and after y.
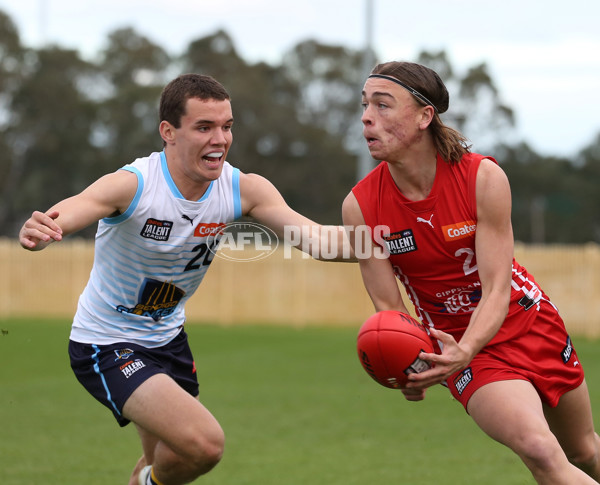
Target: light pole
x: 365, y: 161
x: 43, y: 22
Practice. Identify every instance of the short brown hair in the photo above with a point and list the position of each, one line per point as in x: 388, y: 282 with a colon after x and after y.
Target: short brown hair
x: 175, y: 95
x: 450, y: 143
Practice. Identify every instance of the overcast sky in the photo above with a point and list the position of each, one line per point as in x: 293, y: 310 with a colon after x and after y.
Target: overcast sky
x: 544, y: 55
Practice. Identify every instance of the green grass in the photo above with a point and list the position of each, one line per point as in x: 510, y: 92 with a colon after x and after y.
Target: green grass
x: 295, y: 404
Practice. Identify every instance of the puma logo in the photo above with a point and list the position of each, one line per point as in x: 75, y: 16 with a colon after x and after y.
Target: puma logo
x: 187, y: 218
x: 420, y: 219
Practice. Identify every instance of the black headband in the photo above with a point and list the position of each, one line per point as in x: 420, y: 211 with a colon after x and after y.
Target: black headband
x: 412, y: 91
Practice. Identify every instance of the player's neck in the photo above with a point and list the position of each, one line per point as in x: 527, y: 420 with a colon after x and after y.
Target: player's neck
x: 414, y: 176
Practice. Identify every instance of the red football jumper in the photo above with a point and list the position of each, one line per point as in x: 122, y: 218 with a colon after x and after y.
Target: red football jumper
x: 431, y: 245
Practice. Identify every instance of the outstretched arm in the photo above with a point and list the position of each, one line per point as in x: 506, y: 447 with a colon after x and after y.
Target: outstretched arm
x: 107, y: 196
x: 262, y: 201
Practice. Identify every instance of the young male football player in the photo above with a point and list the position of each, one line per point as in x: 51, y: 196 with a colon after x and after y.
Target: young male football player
x: 157, y: 219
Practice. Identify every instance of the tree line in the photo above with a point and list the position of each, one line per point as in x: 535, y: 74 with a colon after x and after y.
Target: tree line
x: 66, y: 120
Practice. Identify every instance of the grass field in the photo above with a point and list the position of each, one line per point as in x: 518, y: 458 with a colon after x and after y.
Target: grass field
x: 295, y: 404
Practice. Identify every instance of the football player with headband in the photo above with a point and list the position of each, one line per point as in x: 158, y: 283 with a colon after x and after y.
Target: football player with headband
x: 503, y: 350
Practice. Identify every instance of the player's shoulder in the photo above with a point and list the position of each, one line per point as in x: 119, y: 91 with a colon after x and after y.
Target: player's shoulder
x: 489, y: 169
x: 474, y: 166
x: 492, y: 187
x: 115, y: 189
x: 351, y: 211
x: 253, y: 182
x: 154, y: 160
x: 258, y: 191
x: 119, y: 179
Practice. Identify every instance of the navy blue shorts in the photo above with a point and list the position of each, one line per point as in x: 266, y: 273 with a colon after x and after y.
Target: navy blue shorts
x: 111, y: 373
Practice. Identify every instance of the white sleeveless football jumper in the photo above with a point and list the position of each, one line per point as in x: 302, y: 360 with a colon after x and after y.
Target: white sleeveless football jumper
x: 149, y: 260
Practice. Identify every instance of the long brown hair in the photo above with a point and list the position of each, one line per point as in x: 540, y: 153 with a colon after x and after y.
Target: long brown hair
x: 450, y: 143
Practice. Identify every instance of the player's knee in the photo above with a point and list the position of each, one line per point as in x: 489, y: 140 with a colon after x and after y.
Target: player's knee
x: 587, y: 454
x: 538, y: 451
x: 205, y: 451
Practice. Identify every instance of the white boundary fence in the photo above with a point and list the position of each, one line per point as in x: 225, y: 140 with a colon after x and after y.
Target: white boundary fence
x: 278, y: 290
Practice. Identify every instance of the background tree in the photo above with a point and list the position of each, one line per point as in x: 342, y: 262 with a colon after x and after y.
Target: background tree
x: 12, y: 56
x: 133, y: 71
x: 476, y: 109
x: 306, y: 163
x: 329, y: 80
x: 588, y: 189
x: 65, y: 121
x: 546, y: 199
x: 49, y: 131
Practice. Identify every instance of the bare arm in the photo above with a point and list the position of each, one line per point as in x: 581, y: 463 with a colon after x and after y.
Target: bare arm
x: 494, y: 250
x: 377, y: 273
x: 107, y: 196
x: 262, y: 201
x: 494, y: 245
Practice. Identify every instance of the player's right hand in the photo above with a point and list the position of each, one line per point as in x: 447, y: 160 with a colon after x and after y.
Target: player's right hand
x: 40, y: 230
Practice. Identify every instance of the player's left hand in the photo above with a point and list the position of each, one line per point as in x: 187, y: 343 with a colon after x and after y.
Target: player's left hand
x: 452, y: 359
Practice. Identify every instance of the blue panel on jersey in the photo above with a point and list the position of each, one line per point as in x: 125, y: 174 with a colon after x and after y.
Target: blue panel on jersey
x: 171, y: 183
x: 134, y: 202
x: 237, y: 198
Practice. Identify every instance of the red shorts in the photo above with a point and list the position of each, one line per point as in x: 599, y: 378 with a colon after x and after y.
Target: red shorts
x: 543, y: 356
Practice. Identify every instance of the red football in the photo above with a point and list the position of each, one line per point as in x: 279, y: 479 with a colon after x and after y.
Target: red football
x: 389, y: 344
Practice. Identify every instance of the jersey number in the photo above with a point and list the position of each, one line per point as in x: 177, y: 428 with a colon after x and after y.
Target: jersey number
x: 468, y: 266
x: 204, y: 252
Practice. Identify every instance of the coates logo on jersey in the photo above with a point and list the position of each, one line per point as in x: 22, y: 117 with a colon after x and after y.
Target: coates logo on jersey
x: 460, y: 230
x: 210, y: 229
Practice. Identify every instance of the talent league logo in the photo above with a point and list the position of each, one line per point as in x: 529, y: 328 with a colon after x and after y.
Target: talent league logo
x: 156, y: 229
x: 400, y: 242
x: 131, y: 367
x: 463, y: 380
